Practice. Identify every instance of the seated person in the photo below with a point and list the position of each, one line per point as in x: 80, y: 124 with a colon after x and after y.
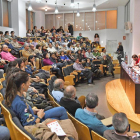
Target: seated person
x: 41, y: 42
x: 29, y: 33
x: 70, y: 56
x: 77, y: 47
x: 57, y: 47
x: 84, y: 72
x: 6, y: 35
x: 58, y: 91
x: 7, y: 55
x: 80, y: 56
x: 79, y: 37
x: 47, y: 61
x: 34, y: 42
x: 28, y: 41
x: 51, y: 49
x: 103, y: 52
x: 68, y: 101
x: 96, y: 53
x: 135, y: 60
x: 94, y: 68
x: 1, y: 36
x: 15, y: 44
x: 97, y: 39
x: 18, y: 83
x: 38, y: 51
x: 42, y: 32
x: 87, y: 42
x: 63, y: 57
x: 44, y: 49
x: 81, y: 41
x: 89, y: 54
x: 10, y: 46
x: 90, y: 117
x: 60, y: 42
x: 109, y: 66
x: 92, y: 46
x: 70, y: 47
x: 121, y: 126
x: 84, y: 46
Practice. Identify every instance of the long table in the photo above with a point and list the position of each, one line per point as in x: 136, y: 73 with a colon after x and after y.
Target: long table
x: 132, y: 89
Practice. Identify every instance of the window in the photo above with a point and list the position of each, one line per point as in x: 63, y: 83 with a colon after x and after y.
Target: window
x: 89, y: 21
x: 58, y: 20
x: 100, y: 20
x: 49, y: 20
x: 111, y: 19
x: 5, y: 14
x: 68, y: 18
x: 79, y: 22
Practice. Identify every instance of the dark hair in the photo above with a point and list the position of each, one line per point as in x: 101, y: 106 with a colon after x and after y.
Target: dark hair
x: 44, y: 55
x: 37, y: 46
x: 91, y: 100
x: 42, y: 27
x: 19, y: 61
x: 28, y: 30
x: 134, y: 56
x: 14, y: 85
x: 1, y: 32
x: 52, y: 54
x: 12, y: 32
x: 95, y: 35
x: 34, y: 39
x: 34, y: 27
x: 23, y: 59
x: 103, y: 49
x: 30, y: 57
x: 27, y: 38
x: 11, y: 65
x: 6, y: 32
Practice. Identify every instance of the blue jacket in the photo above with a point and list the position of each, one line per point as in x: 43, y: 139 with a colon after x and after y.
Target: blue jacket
x: 64, y: 57
x: 91, y: 121
x: 29, y: 70
x: 10, y: 46
x: 23, y: 111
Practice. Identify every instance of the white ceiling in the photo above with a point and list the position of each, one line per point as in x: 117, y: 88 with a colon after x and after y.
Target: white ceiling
x: 83, y: 5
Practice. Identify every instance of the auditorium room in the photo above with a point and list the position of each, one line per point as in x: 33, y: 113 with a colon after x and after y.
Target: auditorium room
x: 69, y: 70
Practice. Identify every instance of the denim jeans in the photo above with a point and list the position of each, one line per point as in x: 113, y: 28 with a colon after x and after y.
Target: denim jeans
x: 58, y: 113
x: 4, y: 133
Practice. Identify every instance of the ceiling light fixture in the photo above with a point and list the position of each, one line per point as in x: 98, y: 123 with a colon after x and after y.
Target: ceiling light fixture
x: 78, y: 14
x: 30, y: 7
x: 56, y: 8
x: 38, y: 1
x: 72, y: 3
x: 58, y: 17
x: 46, y: 9
x: 94, y: 7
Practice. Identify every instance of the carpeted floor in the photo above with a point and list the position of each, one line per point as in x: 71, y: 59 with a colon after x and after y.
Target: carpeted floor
x: 99, y: 89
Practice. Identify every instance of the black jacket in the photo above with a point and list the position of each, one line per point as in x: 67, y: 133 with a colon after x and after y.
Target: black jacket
x: 70, y: 105
x: 70, y: 28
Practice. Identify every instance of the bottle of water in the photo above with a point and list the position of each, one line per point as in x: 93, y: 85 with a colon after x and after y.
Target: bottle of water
x: 137, y: 78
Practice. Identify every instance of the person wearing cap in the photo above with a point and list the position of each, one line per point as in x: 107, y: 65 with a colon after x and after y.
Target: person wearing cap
x: 77, y: 47
x: 79, y: 37
x: 89, y: 54
x: 96, y: 53
x: 15, y: 44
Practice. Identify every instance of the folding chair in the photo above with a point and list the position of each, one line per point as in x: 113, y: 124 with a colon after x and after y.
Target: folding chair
x: 96, y: 136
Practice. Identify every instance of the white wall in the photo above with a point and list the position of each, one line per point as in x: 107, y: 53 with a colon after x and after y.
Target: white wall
x: 3, y: 29
x: 40, y: 19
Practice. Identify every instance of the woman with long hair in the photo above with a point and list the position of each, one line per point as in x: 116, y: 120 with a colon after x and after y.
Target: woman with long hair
x: 97, y: 39
x: 17, y: 84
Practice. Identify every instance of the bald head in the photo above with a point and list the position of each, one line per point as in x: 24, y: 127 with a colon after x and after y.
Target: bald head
x: 58, y: 84
x: 70, y: 92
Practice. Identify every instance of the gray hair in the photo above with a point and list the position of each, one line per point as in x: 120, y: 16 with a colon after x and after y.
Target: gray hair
x: 25, y: 44
x: 69, y: 91
x: 120, y: 122
x: 57, y: 84
x: 91, y: 100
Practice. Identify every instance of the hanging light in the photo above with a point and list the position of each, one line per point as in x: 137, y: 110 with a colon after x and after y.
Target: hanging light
x: 38, y: 1
x: 72, y: 3
x: 46, y: 9
x: 78, y: 13
x: 94, y: 7
x: 30, y: 7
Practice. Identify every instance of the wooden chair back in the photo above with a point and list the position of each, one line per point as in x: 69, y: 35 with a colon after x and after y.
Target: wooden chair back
x: 96, y: 136
x: 82, y: 130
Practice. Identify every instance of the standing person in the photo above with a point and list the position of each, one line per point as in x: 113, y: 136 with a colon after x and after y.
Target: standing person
x: 120, y: 52
x: 97, y: 39
x: 70, y: 28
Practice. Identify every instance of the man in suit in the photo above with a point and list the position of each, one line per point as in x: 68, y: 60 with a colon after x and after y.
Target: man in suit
x: 121, y: 126
x: 70, y: 28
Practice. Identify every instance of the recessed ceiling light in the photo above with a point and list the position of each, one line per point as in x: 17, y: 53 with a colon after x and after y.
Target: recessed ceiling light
x: 46, y: 9
x: 98, y: 28
x: 80, y: 27
x: 88, y: 26
x: 58, y: 17
x: 96, y: 21
x: 86, y: 23
x: 82, y: 20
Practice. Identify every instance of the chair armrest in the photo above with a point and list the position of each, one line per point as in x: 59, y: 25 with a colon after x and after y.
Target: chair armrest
x: 107, y: 121
x: 73, y: 73
x: 88, y: 68
x: 104, y: 65
x: 79, y: 71
x: 66, y: 83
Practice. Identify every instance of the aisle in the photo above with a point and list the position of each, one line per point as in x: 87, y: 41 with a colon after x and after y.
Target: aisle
x: 99, y: 89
